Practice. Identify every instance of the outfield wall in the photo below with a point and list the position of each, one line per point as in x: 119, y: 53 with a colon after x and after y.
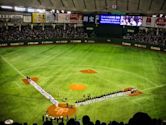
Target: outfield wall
x: 118, y: 41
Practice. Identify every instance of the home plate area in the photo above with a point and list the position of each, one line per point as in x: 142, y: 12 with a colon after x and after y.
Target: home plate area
x: 62, y: 110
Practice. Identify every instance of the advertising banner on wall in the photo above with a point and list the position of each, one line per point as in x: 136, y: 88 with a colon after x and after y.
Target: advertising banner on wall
x: 75, y: 18
x: 89, y: 19
x: 148, y: 21
x: 12, y: 18
x: 16, y: 19
x: 160, y: 22
x: 51, y: 17
x: 27, y: 19
x: 38, y: 17
x: 63, y: 18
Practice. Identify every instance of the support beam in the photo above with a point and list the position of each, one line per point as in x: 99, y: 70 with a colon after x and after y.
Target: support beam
x: 73, y: 4
x: 84, y: 4
x: 116, y: 4
x: 95, y: 4
x: 51, y: 3
x: 106, y: 5
x: 127, y: 5
x: 150, y: 5
x: 138, y: 4
x: 63, y: 5
x: 162, y: 5
x: 39, y: 1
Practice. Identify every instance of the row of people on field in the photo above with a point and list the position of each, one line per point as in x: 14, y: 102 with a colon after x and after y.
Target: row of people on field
x: 103, y: 97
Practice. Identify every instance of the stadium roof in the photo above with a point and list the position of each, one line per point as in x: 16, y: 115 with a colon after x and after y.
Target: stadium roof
x: 117, y: 6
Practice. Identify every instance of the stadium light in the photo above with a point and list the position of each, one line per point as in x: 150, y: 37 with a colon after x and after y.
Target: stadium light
x: 68, y: 12
x: 19, y: 8
x: 57, y: 11
x: 6, y: 7
x: 31, y: 10
x: 154, y: 16
x: 52, y: 11
x: 41, y: 10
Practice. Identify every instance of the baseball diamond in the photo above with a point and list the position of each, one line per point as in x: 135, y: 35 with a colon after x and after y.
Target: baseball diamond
x: 116, y: 68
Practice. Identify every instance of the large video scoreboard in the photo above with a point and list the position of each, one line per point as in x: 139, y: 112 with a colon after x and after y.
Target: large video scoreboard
x: 121, y: 20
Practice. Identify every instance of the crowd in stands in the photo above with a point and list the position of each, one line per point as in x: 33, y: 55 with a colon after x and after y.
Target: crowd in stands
x: 151, y: 36
x: 38, y: 32
x: 139, y: 118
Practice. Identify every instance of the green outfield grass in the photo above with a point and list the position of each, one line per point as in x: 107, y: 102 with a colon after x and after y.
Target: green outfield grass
x: 58, y: 66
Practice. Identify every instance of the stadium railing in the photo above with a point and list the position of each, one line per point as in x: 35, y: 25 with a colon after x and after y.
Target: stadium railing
x: 120, y: 41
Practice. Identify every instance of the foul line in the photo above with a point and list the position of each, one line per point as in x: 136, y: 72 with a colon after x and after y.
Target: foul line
x: 12, y: 66
x: 48, y: 96
x: 20, y: 73
x: 154, y: 87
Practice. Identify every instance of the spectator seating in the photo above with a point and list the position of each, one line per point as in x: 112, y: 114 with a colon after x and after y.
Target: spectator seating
x: 139, y: 118
x: 37, y: 33
x: 152, y: 37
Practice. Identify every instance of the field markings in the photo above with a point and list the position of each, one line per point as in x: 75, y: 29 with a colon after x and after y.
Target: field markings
x: 154, y: 87
x: 13, y: 67
x: 104, y: 67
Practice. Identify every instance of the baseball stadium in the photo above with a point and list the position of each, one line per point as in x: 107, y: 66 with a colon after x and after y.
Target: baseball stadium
x: 83, y: 62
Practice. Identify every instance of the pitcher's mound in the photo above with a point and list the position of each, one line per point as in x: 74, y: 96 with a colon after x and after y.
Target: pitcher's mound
x: 77, y: 87
x: 88, y: 71
x: 25, y: 81
x: 63, y: 109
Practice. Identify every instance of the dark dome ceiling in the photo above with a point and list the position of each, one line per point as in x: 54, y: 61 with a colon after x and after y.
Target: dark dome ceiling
x: 127, y: 6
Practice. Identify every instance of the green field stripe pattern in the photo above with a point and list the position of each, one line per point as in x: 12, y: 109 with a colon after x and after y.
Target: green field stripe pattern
x: 58, y: 66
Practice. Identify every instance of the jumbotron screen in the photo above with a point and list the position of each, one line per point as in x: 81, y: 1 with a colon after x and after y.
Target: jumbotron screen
x: 121, y: 20
x: 109, y: 19
x: 131, y: 20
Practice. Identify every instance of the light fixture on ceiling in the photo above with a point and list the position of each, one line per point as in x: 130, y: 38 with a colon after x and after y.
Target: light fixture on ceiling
x: 68, y: 12
x: 57, y: 11
x: 52, y: 11
x: 31, y: 10
x: 41, y: 10
x: 161, y: 15
x: 6, y: 7
x: 154, y: 15
x: 19, y: 8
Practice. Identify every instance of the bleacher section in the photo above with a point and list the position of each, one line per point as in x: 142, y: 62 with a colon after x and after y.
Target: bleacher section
x: 139, y: 118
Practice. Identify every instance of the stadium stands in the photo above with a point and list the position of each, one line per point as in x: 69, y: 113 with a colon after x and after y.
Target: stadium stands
x: 139, y: 118
x: 151, y: 36
x: 37, y: 33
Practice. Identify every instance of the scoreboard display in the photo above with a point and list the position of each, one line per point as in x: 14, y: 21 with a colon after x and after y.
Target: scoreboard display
x: 120, y: 20
x: 109, y: 19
